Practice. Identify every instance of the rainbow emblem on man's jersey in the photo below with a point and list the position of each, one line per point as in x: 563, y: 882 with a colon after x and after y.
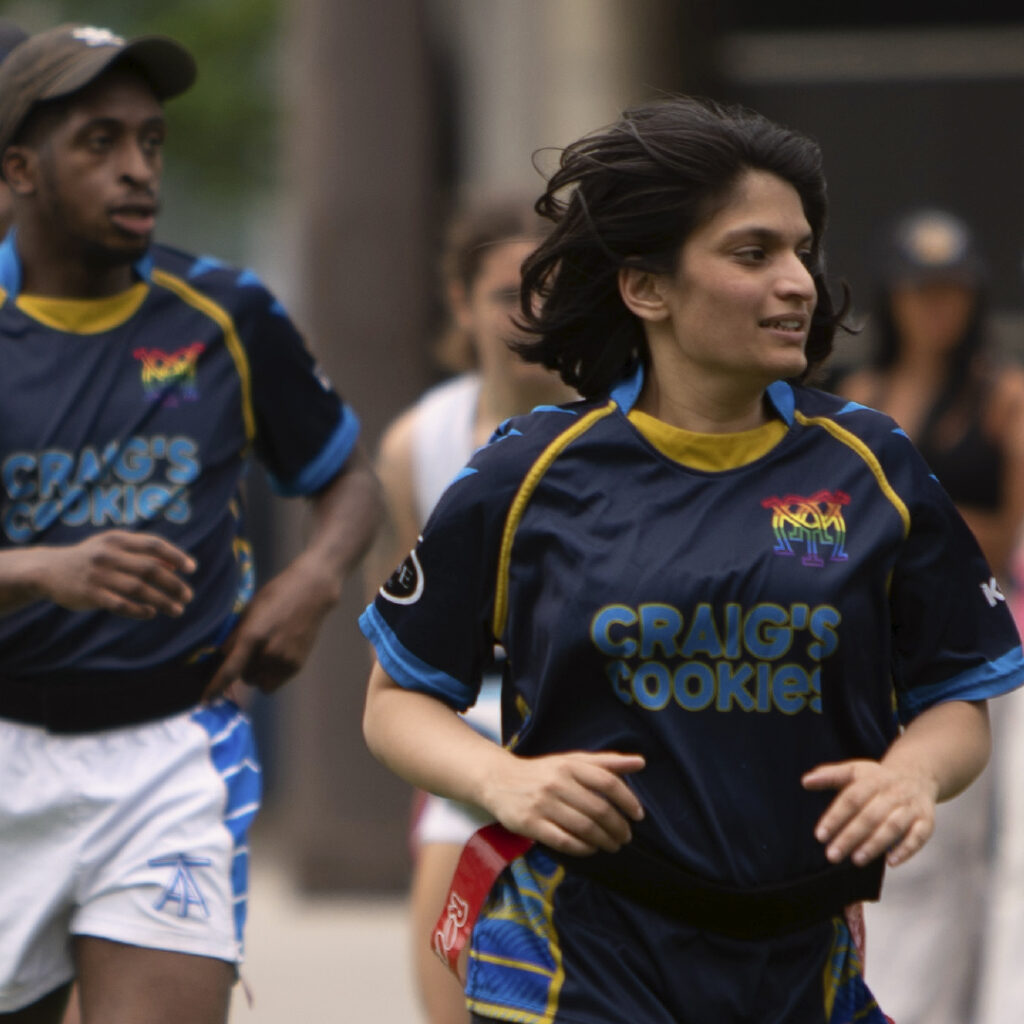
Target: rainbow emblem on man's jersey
x: 815, y: 522
x: 170, y: 376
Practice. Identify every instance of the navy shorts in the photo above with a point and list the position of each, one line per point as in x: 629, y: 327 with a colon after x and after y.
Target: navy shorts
x: 555, y: 947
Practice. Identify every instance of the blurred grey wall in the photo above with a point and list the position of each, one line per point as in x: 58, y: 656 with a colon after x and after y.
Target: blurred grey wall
x: 361, y: 184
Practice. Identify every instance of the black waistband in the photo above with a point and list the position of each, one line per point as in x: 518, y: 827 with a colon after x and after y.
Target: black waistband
x: 70, y: 702
x: 749, y: 913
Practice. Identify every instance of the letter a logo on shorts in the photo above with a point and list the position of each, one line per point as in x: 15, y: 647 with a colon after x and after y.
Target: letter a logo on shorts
x: 182, y: 888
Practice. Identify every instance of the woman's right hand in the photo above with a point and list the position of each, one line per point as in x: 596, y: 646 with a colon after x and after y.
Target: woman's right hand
x: 576, y: 803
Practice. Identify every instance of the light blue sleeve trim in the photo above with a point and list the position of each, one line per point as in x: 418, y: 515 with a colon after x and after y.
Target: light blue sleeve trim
x: 988, y: 680
x: 326, y: 463
x: 406, y: 669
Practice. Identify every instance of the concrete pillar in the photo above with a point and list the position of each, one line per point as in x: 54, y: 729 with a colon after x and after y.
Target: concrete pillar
x: 360, y: 173
x: 361, y: 138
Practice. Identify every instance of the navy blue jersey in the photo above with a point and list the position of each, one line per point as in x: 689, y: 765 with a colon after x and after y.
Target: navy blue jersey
x: 736, y: 625
x: 141, y: 412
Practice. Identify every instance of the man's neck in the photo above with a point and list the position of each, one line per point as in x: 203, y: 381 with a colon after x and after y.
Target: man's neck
x: 68, y: 274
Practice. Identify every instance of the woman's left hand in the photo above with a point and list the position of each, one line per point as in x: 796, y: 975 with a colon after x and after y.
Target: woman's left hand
x: 877, y: 809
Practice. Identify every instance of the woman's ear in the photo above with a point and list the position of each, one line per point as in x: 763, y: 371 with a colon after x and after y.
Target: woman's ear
x: 641, y: 291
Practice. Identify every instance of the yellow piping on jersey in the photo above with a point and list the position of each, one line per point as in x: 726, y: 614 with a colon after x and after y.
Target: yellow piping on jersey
x: 223, y: 320
x: 854, y: 442
x: 521, y: 500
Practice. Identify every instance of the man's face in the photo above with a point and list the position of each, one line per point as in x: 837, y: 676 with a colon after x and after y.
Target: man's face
x: 99, y: 167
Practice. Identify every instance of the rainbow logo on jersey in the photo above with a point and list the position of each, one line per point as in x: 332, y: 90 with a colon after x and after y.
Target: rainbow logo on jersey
x: 813, y: 523
x: 170, y: 377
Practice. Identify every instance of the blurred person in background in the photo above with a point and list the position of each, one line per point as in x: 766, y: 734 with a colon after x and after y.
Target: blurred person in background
x: 704, y: 576
x: 10, y: 35
x: 421, y: 452
x: 138, y: 382
x: 934, y: 370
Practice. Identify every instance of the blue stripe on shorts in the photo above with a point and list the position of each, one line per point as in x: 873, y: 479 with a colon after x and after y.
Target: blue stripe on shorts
x: 233, y: 753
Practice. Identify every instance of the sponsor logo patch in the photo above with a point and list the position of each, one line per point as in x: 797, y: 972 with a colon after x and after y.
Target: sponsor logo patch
x: 405, y: 584
x: 170, y: 377
x: 814, y: 524
x: 992, y: 592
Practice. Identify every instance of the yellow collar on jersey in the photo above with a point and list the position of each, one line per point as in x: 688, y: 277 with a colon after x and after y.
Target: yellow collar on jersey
x: 84, y: 316
x: 709, y: 452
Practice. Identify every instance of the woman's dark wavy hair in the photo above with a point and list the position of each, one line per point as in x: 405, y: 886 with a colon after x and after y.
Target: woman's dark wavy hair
x: 630, y: 195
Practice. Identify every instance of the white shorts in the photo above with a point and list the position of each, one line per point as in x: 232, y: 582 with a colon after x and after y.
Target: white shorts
x: 137, y: 835
x: 439, y: 820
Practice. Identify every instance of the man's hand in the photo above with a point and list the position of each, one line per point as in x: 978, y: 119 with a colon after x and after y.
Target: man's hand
x: 137, y: 575
x: 277, y: 630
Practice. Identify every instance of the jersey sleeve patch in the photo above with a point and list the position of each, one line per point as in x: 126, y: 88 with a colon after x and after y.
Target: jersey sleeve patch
x: 405, y: 584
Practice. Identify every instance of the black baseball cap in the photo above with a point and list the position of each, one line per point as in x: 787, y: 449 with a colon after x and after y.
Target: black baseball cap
x: 62, y: 60
x: 932, y: 245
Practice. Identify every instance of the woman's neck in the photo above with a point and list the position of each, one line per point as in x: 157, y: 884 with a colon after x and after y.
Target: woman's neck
x: 727, y: 409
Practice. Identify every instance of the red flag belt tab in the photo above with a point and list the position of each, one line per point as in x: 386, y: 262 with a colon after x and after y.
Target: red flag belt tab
x: 858, y: 932
x: 489, y: 851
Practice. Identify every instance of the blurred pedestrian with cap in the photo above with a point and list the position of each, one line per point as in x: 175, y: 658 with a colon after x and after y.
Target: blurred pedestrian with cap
x: 10, y: 35
x: 935, y: 371
x: 137, y: 379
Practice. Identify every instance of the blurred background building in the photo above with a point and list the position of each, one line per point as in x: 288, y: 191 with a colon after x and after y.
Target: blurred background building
x: 326, y: 141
